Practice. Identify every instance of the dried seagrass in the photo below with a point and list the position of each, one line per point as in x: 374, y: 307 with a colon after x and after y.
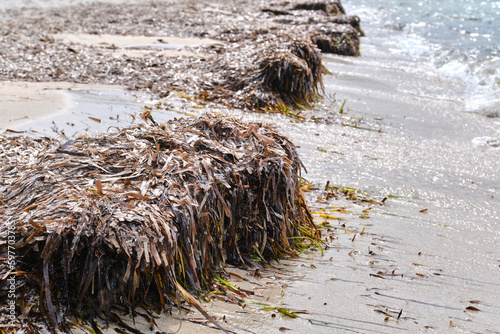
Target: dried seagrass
x: 275, y: 78
x: 255, y: 37
x: 128, y: 217
x: 337, y: 41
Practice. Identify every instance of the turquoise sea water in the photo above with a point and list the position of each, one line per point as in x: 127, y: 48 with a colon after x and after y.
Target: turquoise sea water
x: 458, y: 39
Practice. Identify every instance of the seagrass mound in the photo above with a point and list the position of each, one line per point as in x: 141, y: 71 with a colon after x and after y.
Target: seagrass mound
x: 273, y: 77
x: 325, y: 23
x: 134, y: 216
x: 337, y: 41
x: 328, y: 7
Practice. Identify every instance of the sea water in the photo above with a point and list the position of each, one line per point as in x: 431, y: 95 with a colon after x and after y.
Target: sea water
x: 458, y: 40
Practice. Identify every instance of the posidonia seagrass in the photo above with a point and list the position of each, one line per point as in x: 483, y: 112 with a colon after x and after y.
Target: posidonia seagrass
x: 127, y: 217
x: 267, y: 56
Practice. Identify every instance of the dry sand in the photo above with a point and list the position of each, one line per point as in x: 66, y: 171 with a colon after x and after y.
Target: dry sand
x: 138, y: 46
x: 29, y: 102
x: 24, y: 101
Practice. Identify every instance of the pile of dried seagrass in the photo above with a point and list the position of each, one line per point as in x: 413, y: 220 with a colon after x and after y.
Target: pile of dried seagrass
x: 324, y: 22
x: 271, y: 77
x: 132, y: 216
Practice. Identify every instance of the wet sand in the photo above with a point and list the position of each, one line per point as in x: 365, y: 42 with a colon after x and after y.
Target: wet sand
x: 31, y: 104
x: 428, y: 258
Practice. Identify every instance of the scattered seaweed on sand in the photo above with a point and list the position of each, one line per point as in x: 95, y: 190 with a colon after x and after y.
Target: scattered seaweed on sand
x: 266, y: 59
x: 140, y: 215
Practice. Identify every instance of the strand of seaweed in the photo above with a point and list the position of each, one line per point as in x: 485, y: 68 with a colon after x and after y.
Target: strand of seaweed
x: 136, y: 216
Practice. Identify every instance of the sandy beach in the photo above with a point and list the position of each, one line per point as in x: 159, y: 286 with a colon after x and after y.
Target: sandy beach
x: 28, y: 102
x: 411, y: 216
x: 31, y: 103
x: 21, y: 102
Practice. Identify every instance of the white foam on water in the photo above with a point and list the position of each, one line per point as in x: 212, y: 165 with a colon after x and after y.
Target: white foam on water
x: 482, y: 79
x: 456, y: 41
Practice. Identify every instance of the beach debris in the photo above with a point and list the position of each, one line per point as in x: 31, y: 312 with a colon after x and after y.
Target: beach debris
x: 143, y: 215
x: 269, y: 56
x: 337, y: 42
x: 273, y: 78
x: 285, y: 312
x: 328, y: 7
x: 353, y: 194
x: 326, y: 22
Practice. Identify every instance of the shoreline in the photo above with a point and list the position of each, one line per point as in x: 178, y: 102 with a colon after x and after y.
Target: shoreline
x: 30, y: 101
